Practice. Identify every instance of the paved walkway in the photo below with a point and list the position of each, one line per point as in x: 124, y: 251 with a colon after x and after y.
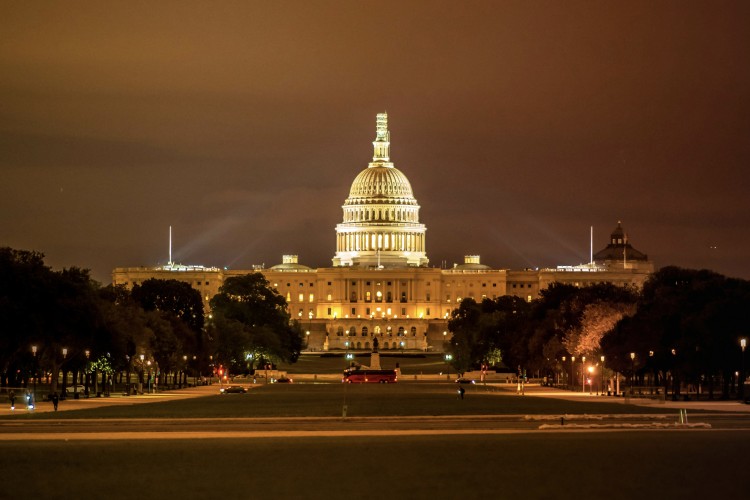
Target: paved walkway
x: 113, y: 400
x: 716, y: 405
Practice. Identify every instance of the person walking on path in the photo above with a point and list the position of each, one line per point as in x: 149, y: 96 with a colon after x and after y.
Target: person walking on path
x: 461, y: 391
x: 12, y: 398
x: 55, y: 400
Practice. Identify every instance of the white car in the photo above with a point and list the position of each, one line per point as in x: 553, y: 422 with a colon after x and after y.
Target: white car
x: 72, y: 389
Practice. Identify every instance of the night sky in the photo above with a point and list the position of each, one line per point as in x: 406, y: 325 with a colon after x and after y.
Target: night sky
x: 243, y: 125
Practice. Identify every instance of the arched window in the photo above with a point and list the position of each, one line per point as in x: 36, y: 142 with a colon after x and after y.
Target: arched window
x: 413, y: 331
x: 400, y: 331
x: 340, y: 331
x: 352, y: 332
x: 364, y: 331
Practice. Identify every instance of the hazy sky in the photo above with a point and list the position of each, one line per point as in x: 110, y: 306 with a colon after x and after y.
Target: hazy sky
x: 243, y: 124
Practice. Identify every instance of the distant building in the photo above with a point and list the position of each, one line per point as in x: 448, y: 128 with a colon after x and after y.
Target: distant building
x: 380, y: 283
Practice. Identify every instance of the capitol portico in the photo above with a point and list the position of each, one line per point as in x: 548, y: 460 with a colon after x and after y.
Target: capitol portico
x: 380, y: 284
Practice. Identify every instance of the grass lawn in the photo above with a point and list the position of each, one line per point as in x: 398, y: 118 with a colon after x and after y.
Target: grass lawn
x: 590, y: 465
x: 327, y: 400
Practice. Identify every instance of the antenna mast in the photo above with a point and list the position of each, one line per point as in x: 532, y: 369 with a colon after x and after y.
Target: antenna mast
x: 170, y: 245
x: 591, y: 246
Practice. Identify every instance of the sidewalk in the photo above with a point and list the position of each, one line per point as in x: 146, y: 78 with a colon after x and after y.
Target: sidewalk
x: 114, y: 399
x: 716, y: 405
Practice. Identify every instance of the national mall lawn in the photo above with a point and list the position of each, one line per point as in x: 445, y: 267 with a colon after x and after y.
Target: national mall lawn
x: 516, y: 464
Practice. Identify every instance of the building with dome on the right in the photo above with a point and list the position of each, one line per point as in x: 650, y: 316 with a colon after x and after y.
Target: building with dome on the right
x: 380, y: 283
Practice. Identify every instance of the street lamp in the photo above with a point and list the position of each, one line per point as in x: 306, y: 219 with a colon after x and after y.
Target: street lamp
x: 572, y: 373
x: 33, y: 351
x: 86, y: 374
x: 583, y: 375
x: 601, y: 383
x: 448, y: 359
x: 149, y: 376
x: 632, y: 371
x: 591, y: 373
x: 140, y: 374
x: 563, y: 370
x: 741, y: 391
x: 62, y: 370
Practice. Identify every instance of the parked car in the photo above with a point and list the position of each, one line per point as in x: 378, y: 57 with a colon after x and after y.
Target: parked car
x: 462, y: 380
x: 284, y: 380
x: 233, y: 389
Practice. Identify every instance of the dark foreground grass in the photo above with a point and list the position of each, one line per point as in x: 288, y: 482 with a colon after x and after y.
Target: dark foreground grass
x: 619, y: 465
x: 328, y: 400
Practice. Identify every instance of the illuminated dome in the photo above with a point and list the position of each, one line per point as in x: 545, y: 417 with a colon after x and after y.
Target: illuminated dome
x: 381, y: 216
x: 386, y: 184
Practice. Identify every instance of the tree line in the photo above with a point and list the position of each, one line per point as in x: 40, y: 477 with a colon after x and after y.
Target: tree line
x: 64, y: 322
x: 684, y: 327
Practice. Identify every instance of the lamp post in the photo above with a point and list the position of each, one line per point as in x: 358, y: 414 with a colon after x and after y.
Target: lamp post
x: 448, y: 359
x: 601, y: 378
x: 583, y: 375
x: 184, y: 373
x: 632, y: 371
x: 62, y: 371
x: 140, y: 374
x: 741, y: 389
x: 563, y: 370
x: 591, y: 374
x: 309, y: 326
x: 33, y: 351
x: 86, y: 374
x: 572, y: 373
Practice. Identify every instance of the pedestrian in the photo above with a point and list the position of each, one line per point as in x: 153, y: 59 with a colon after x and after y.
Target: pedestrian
x: 12, y: 398
x: 55, y: 400
x: 461, y: 391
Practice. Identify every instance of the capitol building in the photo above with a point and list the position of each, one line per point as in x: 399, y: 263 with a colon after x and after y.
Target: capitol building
x: 380, y: 283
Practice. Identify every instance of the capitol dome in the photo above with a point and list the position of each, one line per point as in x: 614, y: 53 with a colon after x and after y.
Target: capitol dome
x: 383, y: 184
x: 381, y: 216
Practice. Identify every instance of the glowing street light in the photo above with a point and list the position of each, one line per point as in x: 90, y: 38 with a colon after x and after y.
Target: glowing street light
x: 572, y: 373
x: 36, y: 368
x: 741, y: 389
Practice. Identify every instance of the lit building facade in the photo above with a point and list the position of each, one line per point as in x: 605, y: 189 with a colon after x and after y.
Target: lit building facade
x: 380, y: 284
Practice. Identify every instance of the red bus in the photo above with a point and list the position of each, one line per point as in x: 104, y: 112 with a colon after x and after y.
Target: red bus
x: 355, y: 376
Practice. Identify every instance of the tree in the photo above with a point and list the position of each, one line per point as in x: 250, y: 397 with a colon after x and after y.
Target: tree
x: 181, y: 301
x: 480, y: 330
x: 251, y: 321
x: 24, y: 300
x: 687, y: 327
x: 172, y: 296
